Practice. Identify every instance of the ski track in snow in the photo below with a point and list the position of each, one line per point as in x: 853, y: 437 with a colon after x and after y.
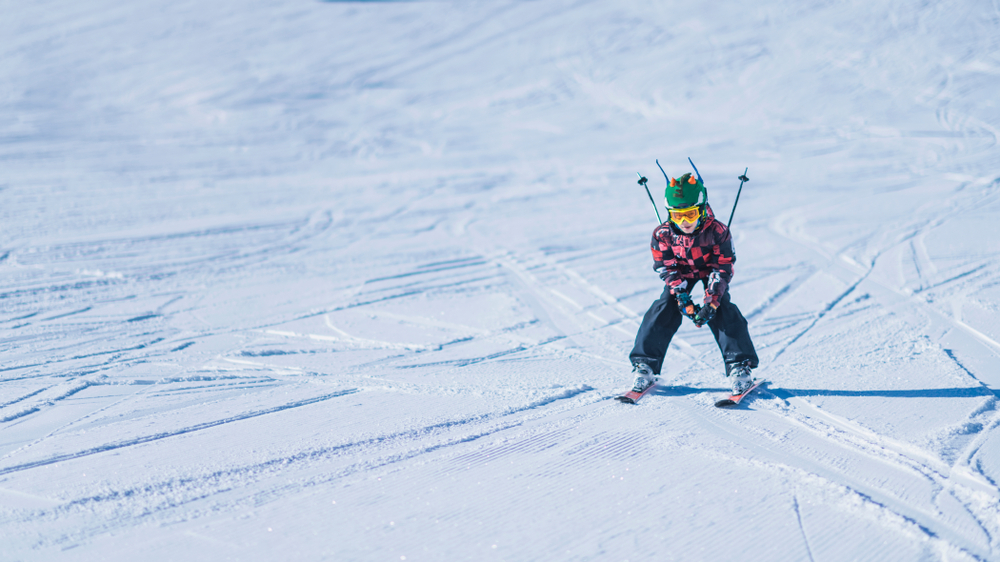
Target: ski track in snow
x: 268, y: 288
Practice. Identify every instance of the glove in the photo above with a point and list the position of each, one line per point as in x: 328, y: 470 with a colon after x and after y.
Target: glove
x: 714, y: 288
x: 705, y: 315
x: 676, y: 285
x: 687, y: 306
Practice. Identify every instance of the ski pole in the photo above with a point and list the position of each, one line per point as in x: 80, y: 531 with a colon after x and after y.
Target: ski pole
x: 696, y: 172
x: 742, y: 179
x: 664, y: 173
x: 642, y: 182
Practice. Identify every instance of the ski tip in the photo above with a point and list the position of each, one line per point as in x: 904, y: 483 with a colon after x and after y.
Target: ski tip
x: 624, y: 400
x: 724, y: 403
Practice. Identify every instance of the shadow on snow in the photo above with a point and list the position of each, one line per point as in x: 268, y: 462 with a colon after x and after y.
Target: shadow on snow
x: 784, y: 393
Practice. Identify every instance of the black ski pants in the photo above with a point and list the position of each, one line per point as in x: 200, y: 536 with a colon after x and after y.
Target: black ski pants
x: 663, y: 319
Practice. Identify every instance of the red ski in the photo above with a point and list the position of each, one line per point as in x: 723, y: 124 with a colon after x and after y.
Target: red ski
x: 735, y: 398
x: 631, y: 397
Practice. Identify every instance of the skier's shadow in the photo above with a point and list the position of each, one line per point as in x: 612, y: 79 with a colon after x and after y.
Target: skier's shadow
x: 669, y: 390
x: 785, y: 393
x: 971, y: 392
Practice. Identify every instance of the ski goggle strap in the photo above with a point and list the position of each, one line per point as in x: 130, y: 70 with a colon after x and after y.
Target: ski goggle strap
x: 688, y: 214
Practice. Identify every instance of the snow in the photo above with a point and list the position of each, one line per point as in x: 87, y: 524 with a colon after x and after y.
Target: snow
x: 358, y: 280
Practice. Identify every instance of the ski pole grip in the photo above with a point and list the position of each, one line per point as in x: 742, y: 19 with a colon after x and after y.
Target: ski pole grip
x: 642, y: 182
x: 743, y: 179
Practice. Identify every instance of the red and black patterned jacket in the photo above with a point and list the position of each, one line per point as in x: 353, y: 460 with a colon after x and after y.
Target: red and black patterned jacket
x: 683, y: 259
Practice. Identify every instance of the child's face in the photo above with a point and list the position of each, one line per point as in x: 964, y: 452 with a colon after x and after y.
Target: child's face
x: 687, y: 227
x: 686, y: 219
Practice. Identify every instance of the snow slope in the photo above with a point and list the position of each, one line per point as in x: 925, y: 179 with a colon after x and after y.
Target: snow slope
x: 357, y: 280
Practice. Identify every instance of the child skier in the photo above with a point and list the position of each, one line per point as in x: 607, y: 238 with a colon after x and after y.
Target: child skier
x: 690, y: 247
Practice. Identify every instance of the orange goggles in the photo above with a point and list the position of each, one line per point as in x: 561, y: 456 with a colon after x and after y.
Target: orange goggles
x: 690, y: 214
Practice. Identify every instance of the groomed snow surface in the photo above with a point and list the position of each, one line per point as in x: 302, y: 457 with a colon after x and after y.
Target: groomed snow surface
x: 346, y: 281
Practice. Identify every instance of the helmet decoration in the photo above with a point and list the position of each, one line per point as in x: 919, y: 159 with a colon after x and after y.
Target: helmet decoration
x: 685, y: 191
x: 686, y: 199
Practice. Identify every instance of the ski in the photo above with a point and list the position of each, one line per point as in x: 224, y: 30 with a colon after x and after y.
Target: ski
x: 632, y: 397
x: 735, y: 398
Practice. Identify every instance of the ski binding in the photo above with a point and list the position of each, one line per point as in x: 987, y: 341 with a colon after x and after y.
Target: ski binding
x: 735, y: 399
x: 632, y: 397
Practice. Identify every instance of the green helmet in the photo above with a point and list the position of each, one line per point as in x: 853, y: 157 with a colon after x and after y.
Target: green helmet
x: 685, y: 191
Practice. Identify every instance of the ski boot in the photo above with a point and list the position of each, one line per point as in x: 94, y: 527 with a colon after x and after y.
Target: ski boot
x: 741, y: 380
x: 644, y: 377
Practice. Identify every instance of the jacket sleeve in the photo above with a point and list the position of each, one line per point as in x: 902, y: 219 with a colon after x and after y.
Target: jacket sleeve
x: 664, y: 261
x: 722, y: 267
